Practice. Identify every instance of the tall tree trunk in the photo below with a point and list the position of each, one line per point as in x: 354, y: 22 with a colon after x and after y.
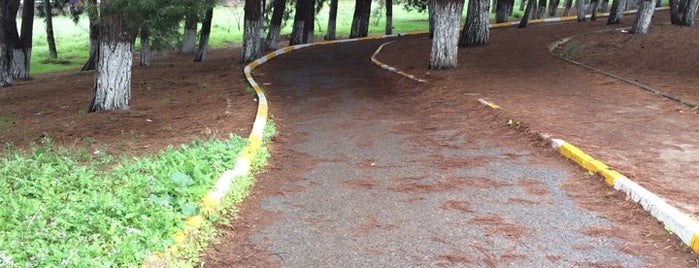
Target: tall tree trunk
x: 6, y: 78
x: 503, y: 8
x: 26, y: 38
x: 658, y: 3
x: 309, y: 22
x: 205, y: 33
x: 251, y: 33
x: 675, y: 18
x: 389, y: 17
x: 690, y: 13
x: 431, y: 11
x: 332, y: 21
x: 644, y: 16
x: 594, y: 5
x: 568, y: 5
x: 18, y: 57
x: 144, y: 58
x: 522, y: 5
x: 94, y: 38
x: 445, y: 43
x: 527, y: 11
x: 189, y: 38
x: 616, y: 13
x: 476, y: 30
x: 580, y: 6
x: 553, y: 7
x: 49, y: 30
x: 297, y: 31
x: 275, y: 24
x: 541, y: 9
x: 604, y: 6
x: 112, y: 88
x: 360, y: 21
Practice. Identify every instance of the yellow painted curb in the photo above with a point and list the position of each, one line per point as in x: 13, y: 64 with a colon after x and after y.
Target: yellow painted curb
x: 695, y: 243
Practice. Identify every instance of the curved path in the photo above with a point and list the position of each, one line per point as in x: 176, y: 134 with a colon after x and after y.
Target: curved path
x: 364, y: 176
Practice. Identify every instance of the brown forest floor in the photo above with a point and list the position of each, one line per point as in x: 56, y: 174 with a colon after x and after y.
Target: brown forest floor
x: 649, y: 138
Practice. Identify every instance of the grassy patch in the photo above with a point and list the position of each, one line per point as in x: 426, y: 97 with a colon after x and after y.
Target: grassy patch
x: 571, y: 50
x: 5, y: 123
x: 74, y: 208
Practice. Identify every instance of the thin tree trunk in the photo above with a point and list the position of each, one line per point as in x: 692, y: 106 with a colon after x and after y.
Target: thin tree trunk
x: 658, y: 3
x: 445, y: 43
x: 690, y: 13
x: 616, y: 13
x: 18, y: 57
x: 309, y: 22
x: 251, y: 33
x: 275, y: 25
x: 580, y: 6
x: 112, y: 88
x: 144, y: 59
x: 553, y: 7
x: 644, y: 16
x: 360, y: 21
x: 431, y: 11
x: 568, y: 5
x: 332, y: 21
x: 189, y: 38
x: 604, y: 6
x: 49, y: 30
x: 94, y: 39
x: 541, y: 9
x: 297, y: 31
x: 594, y: 5
x: 675, y: 18
x: 26, y: 37
x: 525, y: 18
x: 389, y: 17
x: 522, y: 5
x: 205, y: 33
x: 503, y: 8
x: 6, y: 78
x: 476, y: 30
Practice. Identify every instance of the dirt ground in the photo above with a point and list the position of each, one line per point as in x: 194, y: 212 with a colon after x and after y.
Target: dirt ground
x: 176, y: 99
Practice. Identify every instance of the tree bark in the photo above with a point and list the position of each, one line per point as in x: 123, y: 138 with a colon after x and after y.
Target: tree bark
x: 332, y: 21
x: 568, y: 5
x: 503, y: 8
x: 189, y: 38
x: 553, y: 7
x: 444, y: 53
x: 527, y: 11
x: 251, y: 33
x: 690, y: 12
x: 360, y: 21
x: 594, y: 5
x: 297, y: 30
x: 580, y: 8
x: 604, y: 6
x: 675, y: 18
x: 18, y: 57
x: 431, y: 11
x: 112, y: 88
x: 644, y: 16
x: 275, y: 24
x: 26, y: 39
x: 389, y: 17
x: 476, y: 30
x: 204, y: 37
x: 309, y: 22
x: 616, y: 13
x: 94, y: 39
x: 144, y: 58
x: 522, y: 5
x: 6, y: 78
x: 49, y: 30
x: 541, y: 9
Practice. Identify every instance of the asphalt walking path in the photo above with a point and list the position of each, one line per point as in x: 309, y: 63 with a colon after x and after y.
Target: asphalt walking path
x: 364, y: 178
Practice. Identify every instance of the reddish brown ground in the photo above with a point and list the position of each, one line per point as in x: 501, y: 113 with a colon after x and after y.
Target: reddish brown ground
x: 175, y: 99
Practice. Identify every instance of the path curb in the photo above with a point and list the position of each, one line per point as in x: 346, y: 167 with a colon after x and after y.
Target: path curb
x: 674, y: 220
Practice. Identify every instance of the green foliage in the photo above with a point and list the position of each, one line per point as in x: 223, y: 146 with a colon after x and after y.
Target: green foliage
x: 71, y: 208
x: 571, y: 50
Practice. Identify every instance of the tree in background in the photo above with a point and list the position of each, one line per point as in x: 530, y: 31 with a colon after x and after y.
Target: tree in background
x: 189, y: 38
x: 251, y: 30
x: 50, y: 40
x: 580, y: 6
x: 275, y: 24
x: 204, y: 37
x: 445, y: 41
x: 690, y: 12
x: 389, y: 17
x: 503, y: 9
x: 616, y: 12
x: 22, y: 62
x: 476, y: 30
x: 6, y: 78
x: 297, y: 30
x: 527, y: 11
x: 332, y: 21
x: 94, y: 36
x: 646, y: 9
x: 360, y: 20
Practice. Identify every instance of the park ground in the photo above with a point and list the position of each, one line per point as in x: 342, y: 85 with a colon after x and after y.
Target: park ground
x: 176, y: 99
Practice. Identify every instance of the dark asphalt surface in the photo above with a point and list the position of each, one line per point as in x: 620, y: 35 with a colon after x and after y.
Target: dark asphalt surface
x: 389, y: 187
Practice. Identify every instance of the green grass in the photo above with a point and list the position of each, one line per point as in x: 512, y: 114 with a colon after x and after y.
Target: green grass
x: 75, y: 208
